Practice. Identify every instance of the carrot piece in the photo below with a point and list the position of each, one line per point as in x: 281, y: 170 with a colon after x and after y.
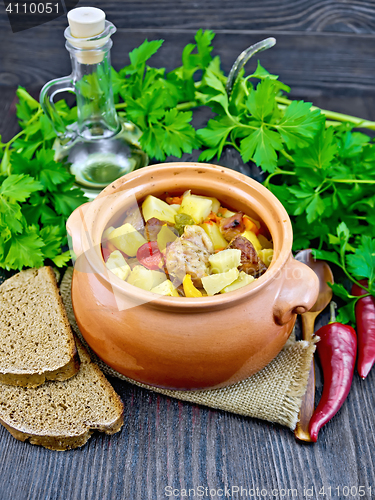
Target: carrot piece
x: 174, y: 200
x: 212, y: 217
x: 250, y: 225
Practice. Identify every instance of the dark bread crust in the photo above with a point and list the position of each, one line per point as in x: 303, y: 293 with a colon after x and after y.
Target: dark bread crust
x: 62, y: 372
x: 36, y: 379
x: 63, y: 443
x: 50, y: 435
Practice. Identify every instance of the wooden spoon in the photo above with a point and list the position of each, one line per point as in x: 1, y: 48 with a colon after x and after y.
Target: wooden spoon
x: 324, y: 273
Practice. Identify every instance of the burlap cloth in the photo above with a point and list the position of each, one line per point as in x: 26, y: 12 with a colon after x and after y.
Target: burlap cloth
x: 273, y: 394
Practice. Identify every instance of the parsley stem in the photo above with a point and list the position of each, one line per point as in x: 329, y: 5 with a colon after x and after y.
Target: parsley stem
x: 333, y: 115
x: 233, y: 144
x: 120, y: 105
x: 353, y: 181
x: 182, y: 106
x: 343, y: 267
x: 278, y: 171
x: 33, y: 118
x: 287, y: 155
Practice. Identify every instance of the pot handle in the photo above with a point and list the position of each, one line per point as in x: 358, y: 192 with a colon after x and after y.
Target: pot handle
x: 74, y: 225
x: 298, y: 293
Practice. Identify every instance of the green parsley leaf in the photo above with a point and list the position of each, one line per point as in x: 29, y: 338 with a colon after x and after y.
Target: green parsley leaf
x: 52, y: 241
x: 261, y: 145
x: 25, y: 250
x: 179, y: 134
x: 261, y: 102
x: 299, y: 124
x: 141, y: 54
x: 262, y: 73
x: 19, y: 187
x: 315, y: 208
x: 318, y: 155
x: 340, y: 291
x: 362, y: 263
x: 346, y: 314
x: 10, y: 216
x: 152, y: 140
x: 215, y: 134
x: 62, y: 259
x: 324, y: 255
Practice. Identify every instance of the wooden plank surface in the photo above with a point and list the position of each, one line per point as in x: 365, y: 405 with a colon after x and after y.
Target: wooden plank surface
x: 326, y: 52
x: 169, y: 443
x: 356, y: 16
x: 324, y: 64
x: 335, y: 40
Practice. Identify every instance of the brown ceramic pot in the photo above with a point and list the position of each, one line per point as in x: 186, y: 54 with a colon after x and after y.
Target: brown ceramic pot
x: 187, y: 343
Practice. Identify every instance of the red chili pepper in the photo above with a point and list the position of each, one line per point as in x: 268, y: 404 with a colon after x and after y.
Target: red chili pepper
x: 150, y: 256
x: 337, y: 351
x: 365, y: 317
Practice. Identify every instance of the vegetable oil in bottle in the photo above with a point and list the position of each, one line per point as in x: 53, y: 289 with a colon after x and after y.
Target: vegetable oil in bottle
x: 100, y: 146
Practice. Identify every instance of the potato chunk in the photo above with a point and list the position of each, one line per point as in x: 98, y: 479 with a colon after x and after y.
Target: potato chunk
x: 266, y: 255
x: 166, y: 288
x: 107, y: 232
x: 154, y: 207
x: 215, y: 204
x: 264, y: 242
x: 127, y: 239
x: 216, y: 282
x: 242, y: 280
x: 198, y: 207
x: 222, y: 261
x: 224, y: 212
x: 117, y: 264
x: 213, y: 231
x: 145, y: 278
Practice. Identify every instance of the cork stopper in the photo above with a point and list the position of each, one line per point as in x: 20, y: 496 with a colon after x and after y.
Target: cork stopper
x: 84, y: 23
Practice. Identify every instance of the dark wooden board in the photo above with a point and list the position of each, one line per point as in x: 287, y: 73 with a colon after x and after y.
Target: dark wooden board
x: 335, y: 40
x: 291, y: 15
x: 324, y: 64
x: 166, y: 442
x: 169, y: 443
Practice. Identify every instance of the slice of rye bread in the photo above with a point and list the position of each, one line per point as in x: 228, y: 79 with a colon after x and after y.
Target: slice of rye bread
x: 36, y: 340
x: 63, y: 415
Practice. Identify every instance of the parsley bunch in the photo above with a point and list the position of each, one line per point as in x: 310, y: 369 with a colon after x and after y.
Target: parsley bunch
x: 155, y: 101
x: 37, y: 194
x: 319, y: 168
x: 251, y: 120
x: 356, y: 263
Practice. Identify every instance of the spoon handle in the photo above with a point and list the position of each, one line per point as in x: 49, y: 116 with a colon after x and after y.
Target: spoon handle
x: 307, y: 408
x: 301, y: 431
x: 308, y: 323
x: 244, y: 57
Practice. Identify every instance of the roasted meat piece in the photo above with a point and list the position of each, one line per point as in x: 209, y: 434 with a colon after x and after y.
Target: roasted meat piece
x: 153, y: 226
x: 135, y: 218
x: 250, y: 262
x: 199, y: 237
x: 189, y: 255
x: 232, y: 226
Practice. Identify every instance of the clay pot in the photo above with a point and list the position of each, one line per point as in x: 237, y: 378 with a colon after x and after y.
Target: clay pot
x: 177, y: 342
